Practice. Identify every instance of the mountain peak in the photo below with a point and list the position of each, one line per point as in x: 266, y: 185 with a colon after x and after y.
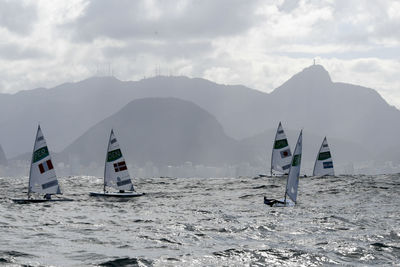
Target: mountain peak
x: 314, y: 77
x: 315, y: 74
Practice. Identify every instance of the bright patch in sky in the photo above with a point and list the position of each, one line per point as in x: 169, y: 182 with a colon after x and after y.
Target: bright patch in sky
x: 259, y: 44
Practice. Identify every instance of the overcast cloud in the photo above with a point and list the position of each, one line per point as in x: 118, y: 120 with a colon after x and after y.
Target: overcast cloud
x: 259, y: 44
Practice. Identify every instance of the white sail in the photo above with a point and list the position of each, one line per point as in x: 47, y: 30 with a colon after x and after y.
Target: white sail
x: 294, y: 172
x: 42, y: 176
x: 116, y: 173
x: 324, y: 163
x: 281, y: 155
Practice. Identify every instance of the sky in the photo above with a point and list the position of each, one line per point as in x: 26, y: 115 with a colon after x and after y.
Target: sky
x: 259, y: 44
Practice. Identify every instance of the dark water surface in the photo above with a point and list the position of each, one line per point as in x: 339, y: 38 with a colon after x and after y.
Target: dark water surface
x: 346, y: 220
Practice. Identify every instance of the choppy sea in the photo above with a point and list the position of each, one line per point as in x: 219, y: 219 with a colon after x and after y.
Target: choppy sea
x: 344, y: 220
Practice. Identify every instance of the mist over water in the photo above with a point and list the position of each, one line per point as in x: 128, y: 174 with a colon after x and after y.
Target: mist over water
x: 200, y: 222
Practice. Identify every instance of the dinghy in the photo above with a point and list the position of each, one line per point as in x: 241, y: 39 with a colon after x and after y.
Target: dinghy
x: 292, y: 182
x: 323, y: 163
x: 42, y: 176
x: 116, y: 173
x: 281, y: 155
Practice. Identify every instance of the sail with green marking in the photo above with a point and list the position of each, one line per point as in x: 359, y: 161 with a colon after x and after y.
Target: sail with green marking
x: 42, y: 176
x: 281, y: 155
x: 292, y: 183
x: 116, y: 173
x: 324, y: 164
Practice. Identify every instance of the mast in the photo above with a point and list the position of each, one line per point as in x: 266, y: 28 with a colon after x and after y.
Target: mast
x: 291, y: 165
x: 284, y: 201
x: 271, y: 161
x: 319, y: 151
x: 105, y: 162
x: 287, y: 181
x: 324, y: 162
x: 30, y: 170
x: 273, y: 145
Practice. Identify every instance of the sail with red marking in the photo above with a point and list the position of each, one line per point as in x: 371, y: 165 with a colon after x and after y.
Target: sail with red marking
x: 116, y: 173
x: 42, y: 175
x: 281, y: 154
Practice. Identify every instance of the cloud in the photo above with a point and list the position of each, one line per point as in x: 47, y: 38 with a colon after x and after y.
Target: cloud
x: 288, y: 5
x: 366, y: 66
x: 16, y: 52
x: 17, y: 16
x: 338, y: 25
x: 159, y: 20
x: 168, y: 50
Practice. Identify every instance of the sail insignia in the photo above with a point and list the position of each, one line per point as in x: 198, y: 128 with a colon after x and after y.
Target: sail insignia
x: 116, y: 173
x: 324, y: 164
x: 42, y: 175
x: 281, y: 154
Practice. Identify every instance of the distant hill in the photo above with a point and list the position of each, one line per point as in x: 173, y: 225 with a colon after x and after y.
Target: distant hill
x: 65, y: 112
x: 169, y: 131
x: 164, y: 131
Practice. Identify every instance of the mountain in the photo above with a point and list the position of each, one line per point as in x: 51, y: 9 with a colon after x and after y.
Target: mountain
x: 356, y: 115
x: 164, y: 131
x: 67, y: 111
x: 172, y: 132
x: 64, y: 112
x: 310, y: 100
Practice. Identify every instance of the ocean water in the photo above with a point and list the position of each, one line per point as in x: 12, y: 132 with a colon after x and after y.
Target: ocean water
x: 345, y: 220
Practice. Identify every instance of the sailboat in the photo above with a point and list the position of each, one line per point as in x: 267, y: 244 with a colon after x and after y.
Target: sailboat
x: 323, y: 163
x: 116, y: 173
x: 42, y: 175
x: 292, y: 182
x: 281, y: 155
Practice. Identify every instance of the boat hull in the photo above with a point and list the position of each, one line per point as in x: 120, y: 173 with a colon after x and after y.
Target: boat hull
x: 32, y: 200
x: 116, y: 194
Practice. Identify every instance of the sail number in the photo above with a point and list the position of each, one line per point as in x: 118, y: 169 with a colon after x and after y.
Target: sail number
x: 114, y: 155
x: 39, y: 154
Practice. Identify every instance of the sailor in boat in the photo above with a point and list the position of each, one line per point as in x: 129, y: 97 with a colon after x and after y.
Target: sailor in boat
x: 272, y: 202
x: 47, y: 196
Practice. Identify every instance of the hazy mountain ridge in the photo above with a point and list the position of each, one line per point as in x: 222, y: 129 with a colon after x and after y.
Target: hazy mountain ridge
x: 162, y: 132
x: 353, y: 114
x: 70, y: 109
